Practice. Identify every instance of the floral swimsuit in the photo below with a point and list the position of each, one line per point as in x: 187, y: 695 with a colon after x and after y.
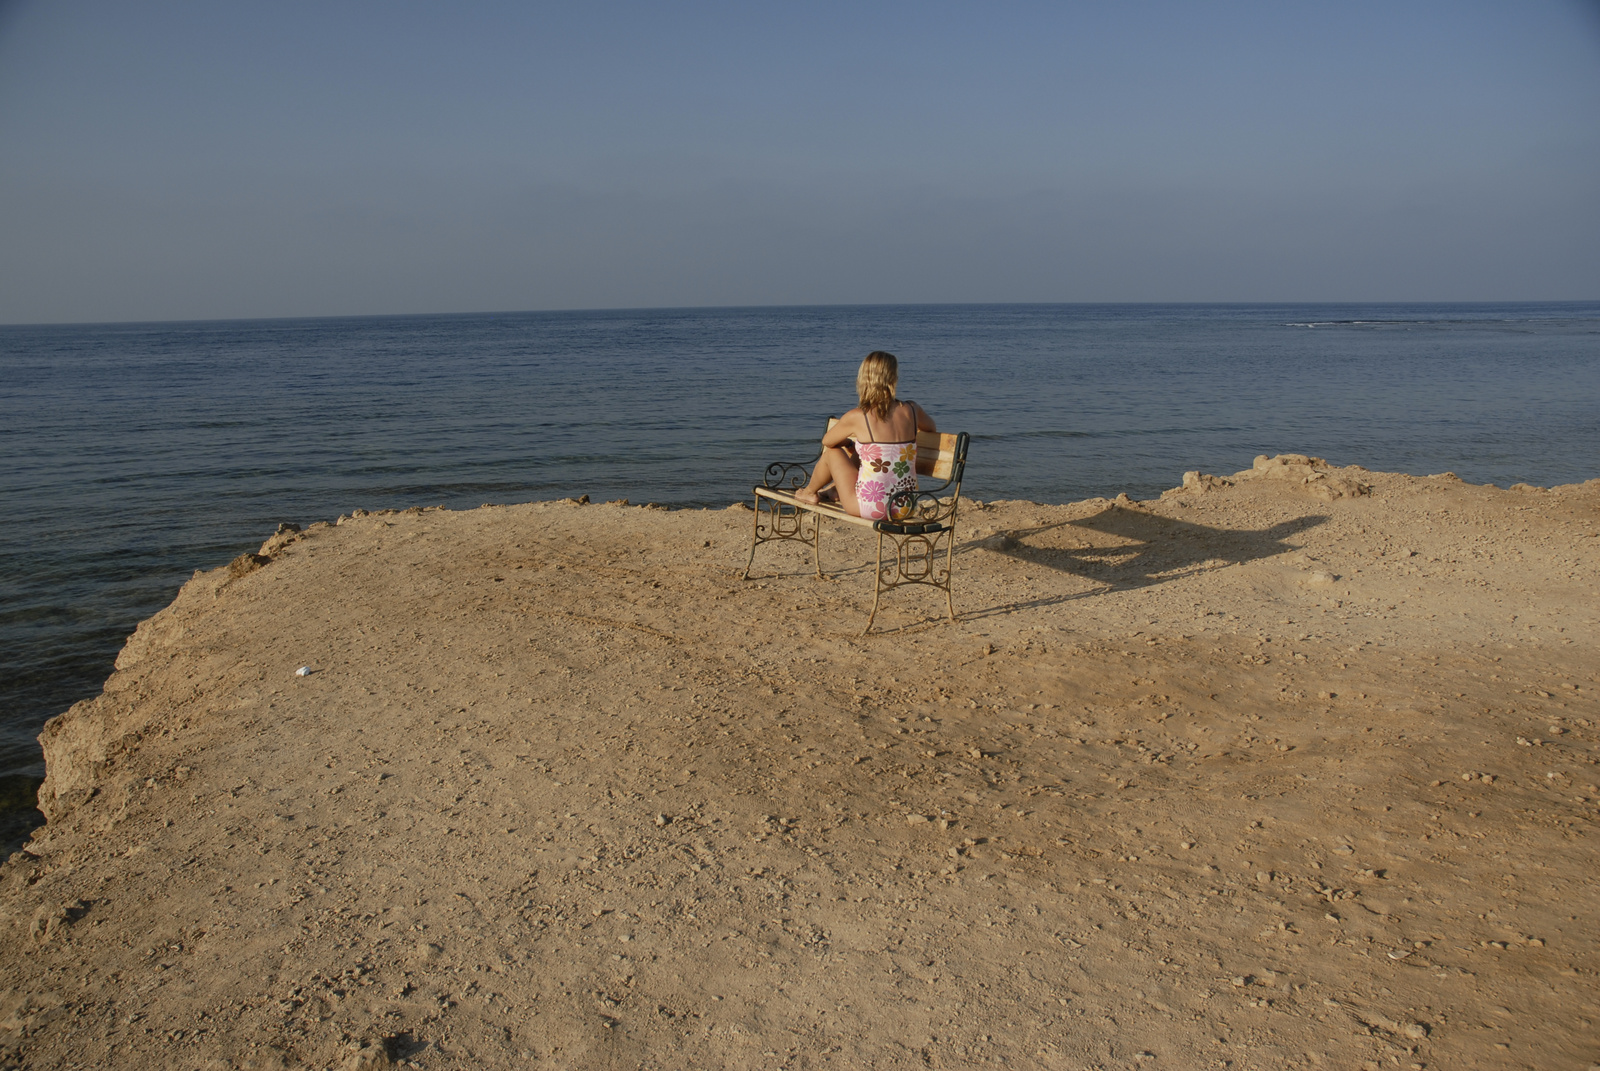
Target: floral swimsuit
x: 886, y: 469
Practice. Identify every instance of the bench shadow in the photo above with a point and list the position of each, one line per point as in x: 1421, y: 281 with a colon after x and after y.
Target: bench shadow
x: 1120, y: 549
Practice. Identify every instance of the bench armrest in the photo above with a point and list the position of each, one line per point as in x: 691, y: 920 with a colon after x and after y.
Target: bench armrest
x: 786, y: 475
x: 921, y: 510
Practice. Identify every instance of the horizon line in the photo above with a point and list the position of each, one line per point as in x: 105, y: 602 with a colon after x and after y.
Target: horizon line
x: 796, y: 305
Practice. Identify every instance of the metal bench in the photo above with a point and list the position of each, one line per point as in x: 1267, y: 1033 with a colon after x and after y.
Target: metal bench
x: 921, y: 528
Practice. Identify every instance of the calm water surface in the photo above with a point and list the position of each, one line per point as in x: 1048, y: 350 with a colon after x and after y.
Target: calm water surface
x: 132, y: 454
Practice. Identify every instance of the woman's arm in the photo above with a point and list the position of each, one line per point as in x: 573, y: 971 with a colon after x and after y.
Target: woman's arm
x: 847, y: 427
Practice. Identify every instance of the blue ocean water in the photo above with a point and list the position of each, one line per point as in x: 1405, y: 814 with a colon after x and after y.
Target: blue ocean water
x: 132, y: 454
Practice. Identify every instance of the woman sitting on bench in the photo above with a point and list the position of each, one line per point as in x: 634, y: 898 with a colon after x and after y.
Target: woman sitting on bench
x: 883, y: 459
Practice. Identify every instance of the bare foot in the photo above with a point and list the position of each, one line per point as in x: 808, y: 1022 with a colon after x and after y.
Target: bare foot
x: 810, y: 498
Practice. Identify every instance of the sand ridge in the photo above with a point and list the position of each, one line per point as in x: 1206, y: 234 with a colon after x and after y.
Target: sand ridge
x: 1294, y: 768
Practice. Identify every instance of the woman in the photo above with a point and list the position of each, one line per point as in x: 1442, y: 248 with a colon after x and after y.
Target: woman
x: 883, y: 460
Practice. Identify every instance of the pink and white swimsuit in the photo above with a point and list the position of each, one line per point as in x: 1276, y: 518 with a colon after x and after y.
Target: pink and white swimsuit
x: 886, y: 470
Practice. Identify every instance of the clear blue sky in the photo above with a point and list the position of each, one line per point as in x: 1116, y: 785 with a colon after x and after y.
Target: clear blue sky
x: 164, y: 160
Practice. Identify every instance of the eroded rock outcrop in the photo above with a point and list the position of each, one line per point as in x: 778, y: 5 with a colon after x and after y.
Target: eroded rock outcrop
x: 82, y: 746
x: 1312, y: 474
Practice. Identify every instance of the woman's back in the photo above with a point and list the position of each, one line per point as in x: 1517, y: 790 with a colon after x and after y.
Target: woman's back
x: 900, y: 426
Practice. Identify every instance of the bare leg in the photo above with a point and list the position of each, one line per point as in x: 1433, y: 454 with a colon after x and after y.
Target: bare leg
x: 838, y: 467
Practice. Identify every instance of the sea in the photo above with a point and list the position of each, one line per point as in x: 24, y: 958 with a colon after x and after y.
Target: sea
x: 132, y: 454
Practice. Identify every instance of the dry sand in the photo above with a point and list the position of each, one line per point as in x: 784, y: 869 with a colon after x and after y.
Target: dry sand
x: 1266, y: 774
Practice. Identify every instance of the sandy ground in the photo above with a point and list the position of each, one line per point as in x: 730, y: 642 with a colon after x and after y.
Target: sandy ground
x: 1272, y: 775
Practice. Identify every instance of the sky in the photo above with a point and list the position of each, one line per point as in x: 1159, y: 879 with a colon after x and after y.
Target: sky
x: 210, y: 160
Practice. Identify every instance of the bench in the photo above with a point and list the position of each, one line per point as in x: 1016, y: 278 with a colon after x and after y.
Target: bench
x: 921, y: 528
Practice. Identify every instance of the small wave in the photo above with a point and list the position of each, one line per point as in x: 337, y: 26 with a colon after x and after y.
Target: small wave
x: 1042, y: 433
x: 1381, y: 323
x: 1458, y: 322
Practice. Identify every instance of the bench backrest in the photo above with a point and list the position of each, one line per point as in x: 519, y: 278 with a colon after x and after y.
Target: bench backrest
x: 940, y: 455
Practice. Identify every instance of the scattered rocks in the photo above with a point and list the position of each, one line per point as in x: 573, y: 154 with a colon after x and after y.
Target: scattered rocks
x: 1200, y: 483
x: 1312, y: 474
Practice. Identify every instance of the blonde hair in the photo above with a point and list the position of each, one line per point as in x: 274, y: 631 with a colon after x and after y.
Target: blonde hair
x: 875, y: 383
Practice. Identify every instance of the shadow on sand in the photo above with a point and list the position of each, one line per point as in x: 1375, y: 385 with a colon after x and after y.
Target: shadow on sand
x: 1120, y: 549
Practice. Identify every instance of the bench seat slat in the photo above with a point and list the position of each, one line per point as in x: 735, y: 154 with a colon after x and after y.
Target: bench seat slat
x: 824, y: 508
x: 936, y: 454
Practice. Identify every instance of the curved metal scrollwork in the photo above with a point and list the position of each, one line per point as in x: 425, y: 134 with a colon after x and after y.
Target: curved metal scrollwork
x: 779, y: 520
x: 784, y: 521
x: 916, y: 509
x: 786, y: 475
x: 919, y: 559
x: 922, y: 531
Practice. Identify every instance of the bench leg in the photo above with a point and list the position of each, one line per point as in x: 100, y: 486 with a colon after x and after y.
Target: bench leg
x: 949, y: 577
x: 786, y: 527
x: 927, y: 574
x: 877, y: 586
x: 755, y: 533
